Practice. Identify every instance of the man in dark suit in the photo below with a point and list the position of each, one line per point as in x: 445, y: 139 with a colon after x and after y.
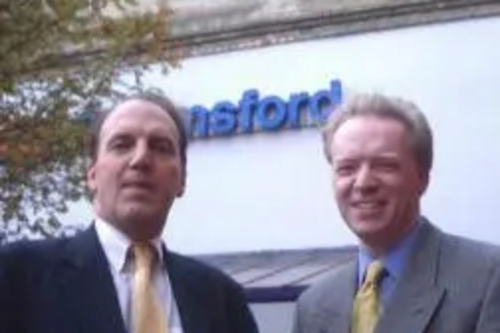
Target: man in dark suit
x: 118, y: 276
x: 408, y: 276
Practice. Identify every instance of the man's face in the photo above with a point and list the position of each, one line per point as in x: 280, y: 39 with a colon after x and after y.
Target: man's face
x: 377, y: 181
x: 137, y: 172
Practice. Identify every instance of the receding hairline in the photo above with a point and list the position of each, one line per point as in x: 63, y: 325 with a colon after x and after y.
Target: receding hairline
x: 166, y: 104
x: 405, y: 130
x: 121, y: 110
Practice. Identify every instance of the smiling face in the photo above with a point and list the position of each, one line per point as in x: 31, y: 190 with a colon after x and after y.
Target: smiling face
x: 377, y: 180
x: 137, y: 172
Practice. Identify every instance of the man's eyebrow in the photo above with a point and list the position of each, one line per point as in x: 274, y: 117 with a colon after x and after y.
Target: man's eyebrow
x: 117, y: 135
x: 345, y: 158
x: 160, y: 136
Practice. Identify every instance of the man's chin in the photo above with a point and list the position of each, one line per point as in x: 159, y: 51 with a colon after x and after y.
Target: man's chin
x: 138, y: 213
x: 367, y: 229
x: 142, y: 224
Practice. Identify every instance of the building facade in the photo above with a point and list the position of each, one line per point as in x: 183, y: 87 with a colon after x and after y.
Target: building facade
x: 263, y: 184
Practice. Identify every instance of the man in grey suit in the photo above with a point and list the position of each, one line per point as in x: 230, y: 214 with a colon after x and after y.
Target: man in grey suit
x: 409, y: 276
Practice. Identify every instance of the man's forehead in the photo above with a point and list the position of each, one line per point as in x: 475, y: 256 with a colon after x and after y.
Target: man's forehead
x: 134, y: 115
x: 362, y: 139
x: 361, y: 124
x: 365, y: 129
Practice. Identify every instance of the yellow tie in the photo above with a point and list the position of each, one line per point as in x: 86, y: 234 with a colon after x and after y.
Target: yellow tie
x: 148, y: 315
x: 366, y: 303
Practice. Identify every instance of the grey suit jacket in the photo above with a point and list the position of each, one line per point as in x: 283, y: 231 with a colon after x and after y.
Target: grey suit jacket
x: 450, y: 285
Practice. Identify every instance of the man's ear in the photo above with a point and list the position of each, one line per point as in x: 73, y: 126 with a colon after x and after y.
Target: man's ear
x: 182, y: 188
x: 182, y: 185
x: 91, y: 181
x: 424, y: 181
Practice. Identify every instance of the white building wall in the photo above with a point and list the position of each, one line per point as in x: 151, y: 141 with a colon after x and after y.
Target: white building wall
x: 272, y: 191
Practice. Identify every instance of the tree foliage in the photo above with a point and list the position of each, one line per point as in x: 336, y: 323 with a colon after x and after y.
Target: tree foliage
x: 60, y: 61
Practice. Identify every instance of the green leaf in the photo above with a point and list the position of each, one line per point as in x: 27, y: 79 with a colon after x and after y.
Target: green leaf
x: 55, y: 62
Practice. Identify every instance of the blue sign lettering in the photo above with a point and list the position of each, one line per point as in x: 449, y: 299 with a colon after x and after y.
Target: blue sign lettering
x: 270, y: 113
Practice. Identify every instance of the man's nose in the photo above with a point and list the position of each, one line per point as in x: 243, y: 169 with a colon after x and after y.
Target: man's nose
x: 141, y: 156
x: 365, y: 180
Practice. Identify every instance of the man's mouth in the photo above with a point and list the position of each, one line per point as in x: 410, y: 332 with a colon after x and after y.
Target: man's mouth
x: 141, y: 185
x: 369, y: 205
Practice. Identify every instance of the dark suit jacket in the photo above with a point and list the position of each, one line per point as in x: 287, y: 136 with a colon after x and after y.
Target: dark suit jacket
x: 450, y: 285
x: 65, y: 286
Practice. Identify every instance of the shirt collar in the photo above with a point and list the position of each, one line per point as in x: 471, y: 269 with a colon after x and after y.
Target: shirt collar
x: 394, y: 260
x: 116, y: 244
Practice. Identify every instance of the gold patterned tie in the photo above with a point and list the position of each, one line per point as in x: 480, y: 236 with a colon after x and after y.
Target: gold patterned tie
x: 148, y: 315
x: 366, y: 303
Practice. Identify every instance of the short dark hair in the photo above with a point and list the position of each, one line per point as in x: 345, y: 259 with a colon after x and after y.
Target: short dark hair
x: 179, y: 118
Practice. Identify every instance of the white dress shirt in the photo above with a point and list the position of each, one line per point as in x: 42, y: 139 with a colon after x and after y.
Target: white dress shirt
x: 116, y: 248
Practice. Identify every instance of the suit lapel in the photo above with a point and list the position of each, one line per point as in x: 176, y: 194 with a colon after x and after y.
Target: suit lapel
x: 417, y: 296
x: 342, y: 323
x: 188, y: 296
x: 333, y: 312
x: 86, y: 290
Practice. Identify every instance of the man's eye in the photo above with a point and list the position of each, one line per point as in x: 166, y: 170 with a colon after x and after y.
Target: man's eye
x: 120, y: 145
x: 387, y: 166
x: 345, y: 169
x: 163, y: 147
